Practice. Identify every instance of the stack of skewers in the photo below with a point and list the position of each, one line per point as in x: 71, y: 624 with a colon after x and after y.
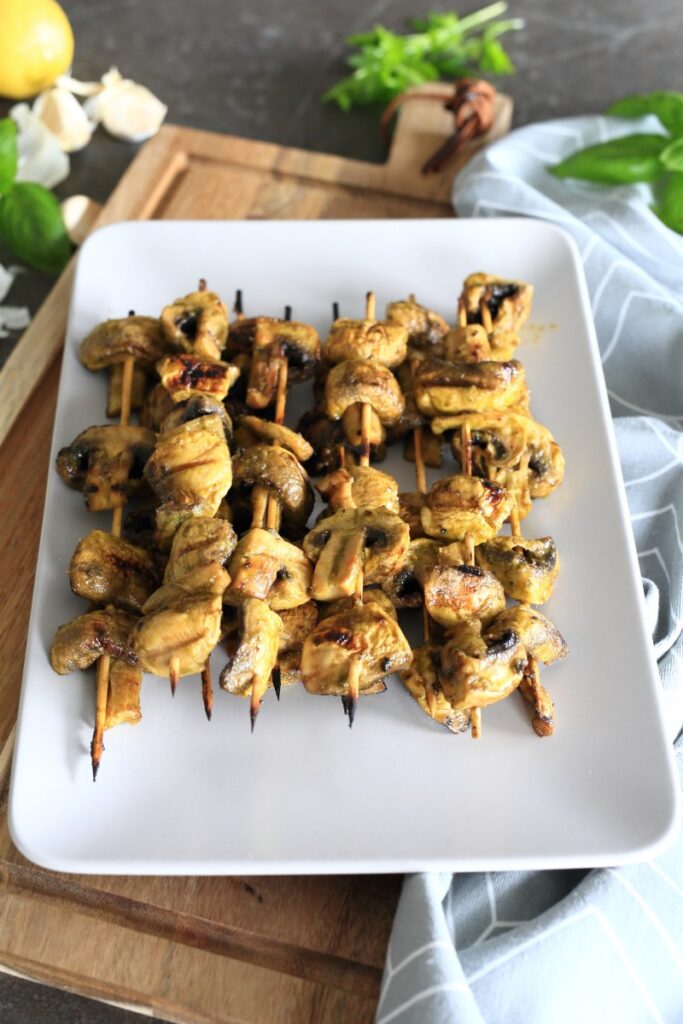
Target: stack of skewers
x: 217, y: 548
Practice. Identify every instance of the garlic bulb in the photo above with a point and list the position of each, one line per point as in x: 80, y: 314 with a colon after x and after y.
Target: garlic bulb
x: 126, y: 110
x: 62, y: 114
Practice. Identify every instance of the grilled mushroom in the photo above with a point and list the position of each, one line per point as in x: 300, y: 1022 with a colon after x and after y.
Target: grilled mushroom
x: 356, y: 381
x: 422, y: 683
x: 526, y: 568
x: 264, y: 565
x: 508, y: 302
x: 449, y: 388
x: 455, y: 593
x: 106, y: 463
x: 186, y: 375
x: 196, y: 323
x: 351, y: 543
x: 192, y: 409
x: 114, y: 341
x: 79, y: 643
x: 359, y: 487
x: 362, y: 631
x: 540, y: 637
x: 385, y: 343
x: 477, y: 670
x: 460, y: 505
x: 108, y: 570
x: 279, y: 472
x: 190, y: 471
x: 405, y: 586
x: 426, y: 329
x: 181, y: 624
x: 199, y: 541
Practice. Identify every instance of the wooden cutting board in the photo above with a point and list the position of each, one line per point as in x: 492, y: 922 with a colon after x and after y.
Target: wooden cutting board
x: 276, y: 950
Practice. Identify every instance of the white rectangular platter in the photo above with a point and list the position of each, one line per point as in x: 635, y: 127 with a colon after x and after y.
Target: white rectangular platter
x: 177, y: 795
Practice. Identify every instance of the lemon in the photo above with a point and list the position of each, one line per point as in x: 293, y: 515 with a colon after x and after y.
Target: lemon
x: 36, y: 46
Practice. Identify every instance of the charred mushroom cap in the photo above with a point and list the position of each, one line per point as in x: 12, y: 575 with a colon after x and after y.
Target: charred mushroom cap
x: 405, y: 587
x: 526, y: 568
x: 478, y: 671
x: 277, y: 470
x: 356, y: 381
x: 540, y: 637
x: 114, y: 341
x: 79, y: 643
x: 509, y: 302
x: 297, y: 343
x: 106, y: 463
x: 192, y: 409
x: 196, y: 323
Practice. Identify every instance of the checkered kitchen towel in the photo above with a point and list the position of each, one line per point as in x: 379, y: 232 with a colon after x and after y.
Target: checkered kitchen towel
x: 560, y: 947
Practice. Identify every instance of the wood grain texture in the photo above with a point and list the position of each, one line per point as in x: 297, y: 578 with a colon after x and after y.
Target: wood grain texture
x: 193, y: 950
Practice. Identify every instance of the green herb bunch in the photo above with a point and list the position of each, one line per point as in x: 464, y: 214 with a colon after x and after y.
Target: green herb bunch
x: 441, y: 46
x: 30, y: 219
x: 655, y: 158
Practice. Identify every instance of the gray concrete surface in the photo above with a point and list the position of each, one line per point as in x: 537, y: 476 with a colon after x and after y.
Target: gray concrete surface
x: 258, y: 69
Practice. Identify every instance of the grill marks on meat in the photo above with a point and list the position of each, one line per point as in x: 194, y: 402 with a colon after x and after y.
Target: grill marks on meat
x: 186, y: 375
x: 200, y: 541
x: 265, y: 566
x: 108, y: 570
x: 448, y: 388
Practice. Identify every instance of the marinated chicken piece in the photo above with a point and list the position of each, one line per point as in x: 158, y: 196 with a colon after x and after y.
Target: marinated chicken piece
x: 156, y: 407
x: 182, y: 622
x: 198, y: 405
x: 251, y: 430
x: 385, y: 343
x: 410, y: 505
x: 326, y: 436
x: 355, y: 543
x: 405, y: 586
x: 455, y: 593
x: 426, y: 329
x: 106, y: 463
x: 297, y: 623
x: 540, y: 637
x: 526, y: 568
x: 358, y: 380
x: 508, y: 302
x: 184, y: 376
x: 108, y: 570
x: 432, y: 449
x: 460, y: 505
x: 450, y: 388
x: 196, y: 323
x: 115, y: 340
x: 250, y: 667
x: 137, y: 389
x: 191, y: 472
x: 478, y: 670
x: 275, y: 339
x: 504, y: 442
x: 422, y: 683
x: 359, y: 487
x: 266, y: 566
x: 198, y: 542
x: 282, y: 475
x: 468, y: 344
x: 363, y: 631
x: 123, y: 697
x: 79, y: 643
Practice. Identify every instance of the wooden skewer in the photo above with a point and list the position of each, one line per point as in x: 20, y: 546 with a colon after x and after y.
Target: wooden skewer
x: 366, y: 408
x: 103, y: 664
x: 173, y: 674
x: 485, y: 314
x: 466, y: 453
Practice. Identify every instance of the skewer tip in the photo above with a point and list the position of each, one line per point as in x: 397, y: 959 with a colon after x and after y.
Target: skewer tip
x: 237, y: 308
x: 277, y: 681
x: 288, y: 312
x: 202, y: 284
x: 254, y: 709
x: 350, y: 704
x: 335, y: 310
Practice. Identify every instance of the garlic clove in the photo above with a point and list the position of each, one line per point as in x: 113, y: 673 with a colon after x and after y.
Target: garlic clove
x: 41, y: 158
x: 79, y: 214
x: 6, y: 281
x: 62, y: 114
x: 130, y: 111
x: 78, y: 88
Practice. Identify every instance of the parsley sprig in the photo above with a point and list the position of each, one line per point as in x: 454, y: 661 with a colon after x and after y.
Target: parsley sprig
x: 440, y: 46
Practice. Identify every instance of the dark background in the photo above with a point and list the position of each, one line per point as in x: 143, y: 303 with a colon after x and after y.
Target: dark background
x: 258, y: 69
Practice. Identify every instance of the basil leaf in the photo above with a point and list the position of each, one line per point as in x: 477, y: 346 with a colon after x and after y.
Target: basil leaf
x: 617, y: 162
x: 667, y: 106
x: 669, y: 207
x: 672, y: 155
x: 8, y: 153
x: 31, y: 222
